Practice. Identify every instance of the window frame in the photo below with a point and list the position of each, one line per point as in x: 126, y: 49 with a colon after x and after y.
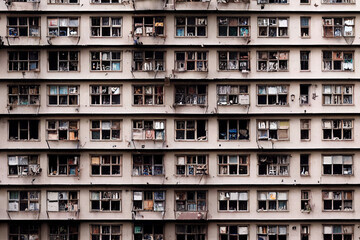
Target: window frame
x: 276, y: 58
x: 194, y: 129
x: 23, y: 169
x: 154, y: 63
x: 191, y: 95
x: 337, y: 56
x: 200, y: 65
x: 74, y: 203
x: 342, y: 233
x: 112, y: 198
x: 261, y: 24
x: 197, y: 204
x: 305, y: 126
x: 269, y: 168
x: 225, y: 230
x: 263, y: 233
x: 97, y: 62
x: 345, y: 167
x: 71, y: 167
x: 33, y: 198
x: 242, y: 27
x: 305, y: 167
x: 238, y: 165
x: 233, y: 94
x: 141, y: 166
x: 16, y: 28
x: 197, y: 24
x: 305, y: 231
x: 72, y: 134
x: 17, y: 98
x: 30, y: 123
x: 14, y: 65
x: 72, y: 94
x: 111, y: 26
x: 306, y: 200
x: 100, y: 232
x: 342, y: 129
x: 157, y: 199
x: 305, y: 61
x: 228, y: 63
x: 269, y: 198
x: 115, y: 125
x: 103, y: 91
x: 282, y: 93
x: 69, y: 228
x: 31, y: 229
x: 145, y: 27
x: 118, y: 163
x: 337, y: 29
x: 231, y: 135
x: 71, y: 31
x: 191, y: 166
x: 74, y: 63
x: 268, y: 128
x: 199, y: 231
x: 343, y: 194
x: 228, y: 195
x: 148, y: 95
x: 141, y: 130
x: 305, y: 30
x: 139, y: 229
x: 338, y: 98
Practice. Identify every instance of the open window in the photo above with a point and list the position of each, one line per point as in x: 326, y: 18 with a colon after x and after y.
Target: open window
x: 20, y: 61
x: 304, y: 232
x: 64, y: 61
x: 190, y: 201
x: 149, y: 26
x: 148, y: 165
x: 62, y: 201
x: 190, y: 94
x: 24, y: 95
x: 273, y: 27
x: 305, y: 129
x: 148, y: 94
x: 24, y: 165
x: 305, y: 25
x: 338, y: 27
x: 338, y: 61
x: 192, y: 165
x: 105, y: 201
x: 231, y: 60
x: 23, y: 130
x: 234, y: 129
x: 337, y: 129
x: 273, y: 129
x: 305, y: 200
x: 62, y: 130
x: 64, y: 165
x: 191, y: 61
x: 148, y: 130
x: 274, y: 165
x: 105, y: 95
x: 304, y: 164
x: 23, y: 201
x: 272, y: 61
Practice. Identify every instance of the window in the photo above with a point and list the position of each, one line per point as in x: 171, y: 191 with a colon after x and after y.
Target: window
x: 105, y: 95
x: 24, y: 61
x: 148, y: 231
x: 63, y: 26
x: 338, y: 27
x: 109, y: 1
x: 337, y: 129
x: 234, y: 232
x: 62, y: 130
x: 189, y: 232
x: 190, y: 94
x: 149, y: 201
x: 64, y: 231
x: 304, y: 232
x: 191, y: 61
x: 273, y: 61
x: 273, y: 129
x: 337, y: 164
x: 274, y: 165
x: 106, y: 61
x: 234, y: 129
x: 105, y: 130
x: 191, y: 130
x: 148, y: 165
x: 338, y: 94
x: 272, y: 1
x: 149, y: 26
x: 233, y: 95
x: 149, y: 95
x: 304, y: 60
x: 192, y: 165
x: 234, y: 26
x: 273, y: 27
x: 273, y: 232
x: 64, y: 165
x: 64, y: 61
x: 272, y: 95
x: 233, y: 164
x: 305, y: 127
x: 106, y: 165
x: 305, y: 201
x: 338, y: 200
x: 148, y: 130
x: 24, y: 201
x: 104, y: 231
x: 106, y: 26
x: 304, y: 94
x: 190, y: 201
x: 338, y: 61
x: 63, y: 95
x: 23, y: 165
x: 24, y: 95
x: 23, y: 27
x: 149, y: 61
x: 234, y: 61
x: 304, y: 24
x: 304, y: 165
x: 24, y: 230
x: 63, y: 201
x: 32, y: 1
x: 341, y: 232
x: 304, y: 1
x: 20, y: 130
x: 105, y: 200
x: 191, y: 26
x: 272, y: 201
x: 63, y: 2
x: 233, y: 201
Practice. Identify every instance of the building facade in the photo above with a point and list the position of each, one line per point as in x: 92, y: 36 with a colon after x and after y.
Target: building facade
x: 179, y: 119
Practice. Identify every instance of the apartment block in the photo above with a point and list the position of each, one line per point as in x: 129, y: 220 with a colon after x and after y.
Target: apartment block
x: 179, y: 120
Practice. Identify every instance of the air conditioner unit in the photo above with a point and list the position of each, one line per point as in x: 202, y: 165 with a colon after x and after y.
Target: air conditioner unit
x: 244, y: 100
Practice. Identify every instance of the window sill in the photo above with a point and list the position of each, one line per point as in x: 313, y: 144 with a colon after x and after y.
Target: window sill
x: 23, y: 140
x: 273, y: 105
x: 105, y: 140
x: 10, y: 36
x: 65, y: 105
x: 335, y: 105
x: 107, y: 36
x: 273, y: 175
x: 338, y: 140
x: 233, y: 211
x: 105, y: 105
x: 148, y: 105
x: 271, y: 211
x: 233, y: 175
